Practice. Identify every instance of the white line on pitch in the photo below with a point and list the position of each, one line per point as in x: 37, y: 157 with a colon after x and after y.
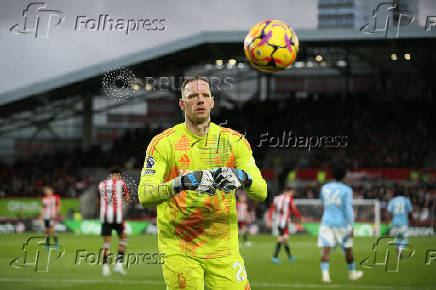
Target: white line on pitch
x: 254, y: 284
x: 285, y: 285
x: 70, y: 280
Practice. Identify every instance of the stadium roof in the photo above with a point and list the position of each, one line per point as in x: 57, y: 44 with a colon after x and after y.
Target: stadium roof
x: 210, y: 37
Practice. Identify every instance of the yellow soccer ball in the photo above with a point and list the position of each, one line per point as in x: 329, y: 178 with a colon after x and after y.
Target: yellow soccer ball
x: 271, y: 46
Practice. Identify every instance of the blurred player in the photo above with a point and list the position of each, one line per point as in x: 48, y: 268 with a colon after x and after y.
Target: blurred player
x: 196, y: 207
x: 51, y: 206
x: 243, y: 217
x: 400, y: 207
x: 282, y: 207
x: 337, y: 223
x: 113, y: 191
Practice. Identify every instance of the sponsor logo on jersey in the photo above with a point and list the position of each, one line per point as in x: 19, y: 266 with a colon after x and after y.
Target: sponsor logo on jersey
x: 149, y: 162
x: 184, y: 161
x: 148, y: 172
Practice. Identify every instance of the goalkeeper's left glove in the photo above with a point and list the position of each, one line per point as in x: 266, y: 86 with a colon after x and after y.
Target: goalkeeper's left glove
x: 229, y: 179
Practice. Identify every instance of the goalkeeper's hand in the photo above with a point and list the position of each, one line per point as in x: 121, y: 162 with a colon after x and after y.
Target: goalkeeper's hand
x: 229, y: 179
x: 200, y: 180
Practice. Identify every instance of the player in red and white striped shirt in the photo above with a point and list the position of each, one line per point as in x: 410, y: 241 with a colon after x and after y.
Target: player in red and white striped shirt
x: 282, y: 207
x: 113, y: 193
x: 243, y: 216
x: 51, y: 206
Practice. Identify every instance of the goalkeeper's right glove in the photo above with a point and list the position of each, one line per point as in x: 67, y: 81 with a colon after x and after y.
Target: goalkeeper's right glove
x: 200, y: 180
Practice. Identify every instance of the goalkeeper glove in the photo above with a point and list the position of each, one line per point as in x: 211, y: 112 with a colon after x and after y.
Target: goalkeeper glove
x: 200, y: 180
x: 229, y: 179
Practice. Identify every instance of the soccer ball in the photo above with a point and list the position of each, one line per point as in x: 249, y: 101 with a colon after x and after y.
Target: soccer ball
x: 271, y: 46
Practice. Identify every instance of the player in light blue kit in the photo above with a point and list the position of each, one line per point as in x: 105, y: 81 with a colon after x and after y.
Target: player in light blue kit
x: 400, y: 207
x: 337, y: 223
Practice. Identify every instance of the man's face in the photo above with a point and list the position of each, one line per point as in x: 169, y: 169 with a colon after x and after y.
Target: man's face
x: 289, y: 192
x: 197, y: 101
x: 115, y: 175
x: 48, y: 191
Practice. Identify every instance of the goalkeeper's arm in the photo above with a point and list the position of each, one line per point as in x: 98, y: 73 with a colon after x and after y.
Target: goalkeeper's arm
x: 257, y: 189
x: 151, y: 194
x: 152, y: 190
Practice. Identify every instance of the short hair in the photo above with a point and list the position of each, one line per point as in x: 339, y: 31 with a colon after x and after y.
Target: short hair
x: 398, y: 190
x: 290, y: 186
x: 339, y: 172
x: 191, y: 79
x: 116, y: 170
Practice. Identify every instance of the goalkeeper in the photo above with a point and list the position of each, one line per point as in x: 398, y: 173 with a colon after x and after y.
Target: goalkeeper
x: 191, y: 172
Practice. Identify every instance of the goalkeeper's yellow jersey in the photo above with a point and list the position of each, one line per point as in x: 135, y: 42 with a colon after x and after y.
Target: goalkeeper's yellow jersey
x: 190, y: 222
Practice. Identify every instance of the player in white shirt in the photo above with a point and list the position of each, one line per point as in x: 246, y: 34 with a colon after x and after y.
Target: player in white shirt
x: 281, y: 208
x: 113, y: 192
x: 51, y: 206
x: 243, y: 217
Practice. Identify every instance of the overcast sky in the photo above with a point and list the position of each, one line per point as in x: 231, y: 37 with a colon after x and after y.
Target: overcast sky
x: 27, y: 60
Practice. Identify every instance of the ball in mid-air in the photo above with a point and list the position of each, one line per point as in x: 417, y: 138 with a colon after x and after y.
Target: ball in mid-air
x: 271, y: 46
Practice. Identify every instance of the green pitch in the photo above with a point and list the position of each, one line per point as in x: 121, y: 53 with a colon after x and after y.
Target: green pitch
x: 304, y: 273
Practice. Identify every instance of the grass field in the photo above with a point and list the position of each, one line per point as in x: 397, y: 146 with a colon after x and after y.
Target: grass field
x: 304, y: 273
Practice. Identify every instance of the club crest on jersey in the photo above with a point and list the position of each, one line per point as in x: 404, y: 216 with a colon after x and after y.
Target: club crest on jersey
x: 149, y: 162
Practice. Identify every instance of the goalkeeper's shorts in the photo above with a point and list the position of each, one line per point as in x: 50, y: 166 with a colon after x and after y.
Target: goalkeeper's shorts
x: 185, y: 272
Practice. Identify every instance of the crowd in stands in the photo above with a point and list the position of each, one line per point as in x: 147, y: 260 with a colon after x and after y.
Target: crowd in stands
x: 27, y: 178
x: 378, y: 133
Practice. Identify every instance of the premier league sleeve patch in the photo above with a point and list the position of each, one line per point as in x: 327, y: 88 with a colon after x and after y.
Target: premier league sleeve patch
x: 149, y: 162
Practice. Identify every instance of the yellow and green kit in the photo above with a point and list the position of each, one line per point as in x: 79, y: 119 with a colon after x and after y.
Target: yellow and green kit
x: 192, y: 226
